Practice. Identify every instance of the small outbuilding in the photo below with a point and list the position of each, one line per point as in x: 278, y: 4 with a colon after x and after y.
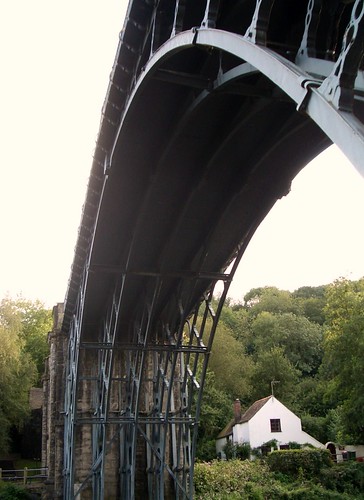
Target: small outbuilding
x: 265, y: 420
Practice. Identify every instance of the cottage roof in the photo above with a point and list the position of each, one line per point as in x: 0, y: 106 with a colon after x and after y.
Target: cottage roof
x: 248, y: 415
x: 253, y: 409
x: 228, y: 430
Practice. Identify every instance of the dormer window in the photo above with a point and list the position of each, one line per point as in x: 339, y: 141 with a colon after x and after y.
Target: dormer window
x: 275, y: 425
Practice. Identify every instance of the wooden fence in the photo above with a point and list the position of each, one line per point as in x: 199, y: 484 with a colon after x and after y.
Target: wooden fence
x: 25, y: 475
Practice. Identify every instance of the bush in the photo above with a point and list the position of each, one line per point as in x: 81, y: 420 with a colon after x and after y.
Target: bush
x: 293, y: 445
x: 223, y: 479
x: 240, y: 451
x: 312, y: 491
x: 344, y: 477
x: 296, y: 463
x: 273, y: 443
x: 229, y: 450
x: 13, y: 492
x: 206, y: 450
x: 237, y: 480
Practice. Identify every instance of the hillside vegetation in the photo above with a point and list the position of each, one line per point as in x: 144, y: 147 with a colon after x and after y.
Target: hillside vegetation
x: 310, y: 340
x: 24, y: 326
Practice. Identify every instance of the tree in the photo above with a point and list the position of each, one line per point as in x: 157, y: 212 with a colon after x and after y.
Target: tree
x: 312, y: 302
x: 270, y: 366
x: 270, y: 299
x: 236, y: 318
x: 31, y: 322
x: 23, y: 340
x: 216, y: 410
x: 17, y: 375
x: 230, y: 364
x: 311, y: 396
x: 344, y: 354
x: 300, y: 339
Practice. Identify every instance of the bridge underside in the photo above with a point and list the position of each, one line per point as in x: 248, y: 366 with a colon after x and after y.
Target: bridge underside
x: 174, y: 214
x: 202, y: 131
x: 189, y: 181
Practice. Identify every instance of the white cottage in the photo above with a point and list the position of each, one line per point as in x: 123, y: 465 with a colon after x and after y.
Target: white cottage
x: 266, y: 419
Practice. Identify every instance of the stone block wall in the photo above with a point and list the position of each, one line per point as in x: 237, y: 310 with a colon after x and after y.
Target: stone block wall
x: 53, y: 407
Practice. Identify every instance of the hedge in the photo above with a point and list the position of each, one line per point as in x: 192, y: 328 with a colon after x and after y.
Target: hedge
x: 299, y: 462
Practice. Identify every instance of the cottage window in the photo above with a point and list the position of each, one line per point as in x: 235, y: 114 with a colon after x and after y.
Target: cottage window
x: 275, y: 425
x: 351, y: 455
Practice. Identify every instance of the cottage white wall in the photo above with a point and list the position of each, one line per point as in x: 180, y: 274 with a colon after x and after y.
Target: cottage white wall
x: 241, y: 433
x: 306, y: 438
x: 358, y: 448
x: 220, y: 443
x: 257, y: 431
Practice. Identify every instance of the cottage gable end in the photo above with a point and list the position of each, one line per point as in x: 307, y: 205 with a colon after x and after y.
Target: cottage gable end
x: 265, y: 420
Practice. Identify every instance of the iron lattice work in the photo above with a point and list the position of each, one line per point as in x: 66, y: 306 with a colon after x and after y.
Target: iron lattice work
x: 145, y: 394
x: 140, y: 341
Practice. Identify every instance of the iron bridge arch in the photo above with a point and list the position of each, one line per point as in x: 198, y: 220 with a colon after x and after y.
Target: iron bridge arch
x: 212, y: 109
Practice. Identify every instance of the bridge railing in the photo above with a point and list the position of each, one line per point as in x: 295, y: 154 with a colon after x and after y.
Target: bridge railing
x: 24, y: 475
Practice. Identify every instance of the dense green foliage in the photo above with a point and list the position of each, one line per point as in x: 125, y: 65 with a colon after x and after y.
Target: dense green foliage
x: 343, y: 366
x: 236, y: 479
x: 23, y: 339
x: 29, y: 322
x: 223, y: 480
x: 13, y: 492
x: 216, y: 405
x: 310, y: 342
x: 295, y: 462
x: 241, y: 451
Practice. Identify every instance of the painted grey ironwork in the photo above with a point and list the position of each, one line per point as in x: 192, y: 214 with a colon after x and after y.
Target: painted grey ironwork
x: 257, y: 32
x: 338, y: 87
x: 166, y: 362
x: 180, y: 358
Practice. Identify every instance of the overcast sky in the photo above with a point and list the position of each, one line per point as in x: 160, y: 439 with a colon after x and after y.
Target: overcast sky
x: 55, y: 64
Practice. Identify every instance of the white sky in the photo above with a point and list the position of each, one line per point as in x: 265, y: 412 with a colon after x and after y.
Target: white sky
x: 56, y: 58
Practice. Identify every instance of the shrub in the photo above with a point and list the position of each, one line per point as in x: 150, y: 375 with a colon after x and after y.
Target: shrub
x: 273, y: 443
x: 312, y: 491
x: 222, y: 479
x: 293, y: 445
x: 237, y: 480
x: 206, y: 450
x: 299, y: 462
x: 344, y: 477
x: 13, y: 492
x: 229, y: 450
x: 240, y: 451
x: 256, y: 452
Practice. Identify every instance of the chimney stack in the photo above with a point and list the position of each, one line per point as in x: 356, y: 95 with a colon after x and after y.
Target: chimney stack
x: 237, y: 410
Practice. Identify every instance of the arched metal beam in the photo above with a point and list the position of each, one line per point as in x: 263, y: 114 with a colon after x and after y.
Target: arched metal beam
x: 342, y: 127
